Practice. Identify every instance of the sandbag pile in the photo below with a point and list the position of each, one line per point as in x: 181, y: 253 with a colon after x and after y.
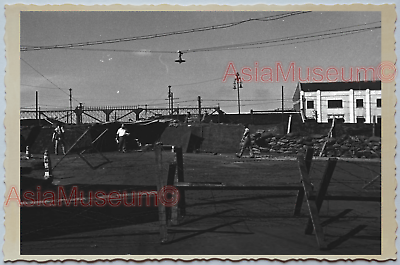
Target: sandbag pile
x: 343, y: 146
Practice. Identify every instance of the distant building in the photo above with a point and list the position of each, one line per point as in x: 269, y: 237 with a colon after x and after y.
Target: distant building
x: 354, y: 102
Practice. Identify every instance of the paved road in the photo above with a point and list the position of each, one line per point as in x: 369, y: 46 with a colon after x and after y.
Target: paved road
x: 216, y: 223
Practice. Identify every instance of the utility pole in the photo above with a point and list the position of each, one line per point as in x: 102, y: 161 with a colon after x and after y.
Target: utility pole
x: 199, y: 104
x: 37, y: 104
x: 169, y: 100
x: 172, y: 104
x: 70, y: 104
x: 237, y: 83
x: 283, y: 124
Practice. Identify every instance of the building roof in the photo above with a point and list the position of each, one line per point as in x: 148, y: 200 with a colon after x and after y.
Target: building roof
x: 340, y: 86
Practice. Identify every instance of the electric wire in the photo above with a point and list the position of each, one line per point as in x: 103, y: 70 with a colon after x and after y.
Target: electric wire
x: 278, y: 40
x: 303, y: 38
x: 48, y: 79
x: 158, y: 35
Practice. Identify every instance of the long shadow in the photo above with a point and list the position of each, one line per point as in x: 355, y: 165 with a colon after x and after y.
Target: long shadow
x: 378, y: 238
x: 43, y: 223
x: 240, y: 199
x: 203, y: 217
x: 199, y: 232
x: 100, y: 236
x: 346, y: 237
x: 336, y: 218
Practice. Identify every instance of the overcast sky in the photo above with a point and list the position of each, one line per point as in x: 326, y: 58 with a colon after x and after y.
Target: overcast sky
x: 123, y: 74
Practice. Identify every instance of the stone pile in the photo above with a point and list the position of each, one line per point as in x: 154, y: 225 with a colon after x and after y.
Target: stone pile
x: 343, y: 146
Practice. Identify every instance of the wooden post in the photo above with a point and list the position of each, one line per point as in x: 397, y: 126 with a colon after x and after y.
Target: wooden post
x: 199, y: 106
x: 175, y: 208
x: 312, y: 207
x: 330, y: 168
x: 171, y: 174
x: 372, y: 181
x: 309, y: 157
x: 170, y: 182
x: 161, y: 208
x: 179, y: 162
x: 72, y: 146
x: 300, y: 194
x: 289, y: 123
x: 330, y: 133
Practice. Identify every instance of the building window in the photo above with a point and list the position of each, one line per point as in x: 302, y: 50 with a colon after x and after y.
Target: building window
x: 360, y: 119
x: 359, y: 103
x: 310, y: 104
x: 335, y: 104
x: 378, y: 102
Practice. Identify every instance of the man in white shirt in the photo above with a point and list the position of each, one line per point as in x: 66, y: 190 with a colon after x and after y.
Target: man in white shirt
x: 245, y: 142
x: 122, y: 133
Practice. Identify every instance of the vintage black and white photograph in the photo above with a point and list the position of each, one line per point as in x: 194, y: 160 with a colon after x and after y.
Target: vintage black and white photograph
x: 220, y: 133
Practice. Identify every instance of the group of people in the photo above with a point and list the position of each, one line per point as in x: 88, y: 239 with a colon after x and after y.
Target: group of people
x: 122, y: 133
x: 58, y: 138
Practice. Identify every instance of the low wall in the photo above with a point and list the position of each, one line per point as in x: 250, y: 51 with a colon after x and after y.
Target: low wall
x: 43, y: 136
x: 220, y: 138
x: 353, y: 129
x: 39, y: 138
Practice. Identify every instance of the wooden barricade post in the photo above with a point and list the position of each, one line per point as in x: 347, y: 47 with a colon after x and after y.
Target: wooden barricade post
x: 160, y: 184
x: 315, y: 198
x: 312, y: 207
x: 300, y: 194
x: 322, y: 189
x: 170, y: 182
x: 179, y: 164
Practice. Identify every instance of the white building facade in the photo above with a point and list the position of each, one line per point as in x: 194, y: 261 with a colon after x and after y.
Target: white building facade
x: 354, y: 102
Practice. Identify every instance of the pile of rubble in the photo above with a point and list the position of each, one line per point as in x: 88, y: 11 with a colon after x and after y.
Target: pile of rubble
x: 343, y: 146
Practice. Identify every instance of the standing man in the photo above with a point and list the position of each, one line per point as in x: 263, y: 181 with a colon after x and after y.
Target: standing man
x: 188, y: 117
x: 245, y: 142
x: 58, y: 138
x: 122, y: 133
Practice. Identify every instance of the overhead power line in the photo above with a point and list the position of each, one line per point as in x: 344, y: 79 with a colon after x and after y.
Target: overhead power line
x: 317, y: 35
x: 48, y: 79
x: 308, y: 37
x: 200, y: 82
x: 41, y: 86
x: 158, y: 35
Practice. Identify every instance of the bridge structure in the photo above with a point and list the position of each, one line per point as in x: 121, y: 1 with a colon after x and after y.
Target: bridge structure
x: 102, y: 114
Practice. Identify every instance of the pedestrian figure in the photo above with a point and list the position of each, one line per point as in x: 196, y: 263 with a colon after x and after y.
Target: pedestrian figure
x: 122, y: 133
x: 58, y: 139
x: 205, y: 115
x: 188, y: 117
x: 245, y: 142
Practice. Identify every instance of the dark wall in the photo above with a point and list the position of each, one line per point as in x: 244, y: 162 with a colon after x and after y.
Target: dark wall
x: 220, y: 138
x: 312, y: 127
x: 39, y: 138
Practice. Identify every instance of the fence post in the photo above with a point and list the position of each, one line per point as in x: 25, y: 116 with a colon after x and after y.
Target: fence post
x: 170, y: 182
x: 179, y: 163
x: 161, y: 208
x: 312, y: 207
x: 300, y: 194
x: 330, y: 168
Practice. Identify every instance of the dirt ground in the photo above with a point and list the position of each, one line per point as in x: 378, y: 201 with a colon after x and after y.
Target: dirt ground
x: 216, y: 222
